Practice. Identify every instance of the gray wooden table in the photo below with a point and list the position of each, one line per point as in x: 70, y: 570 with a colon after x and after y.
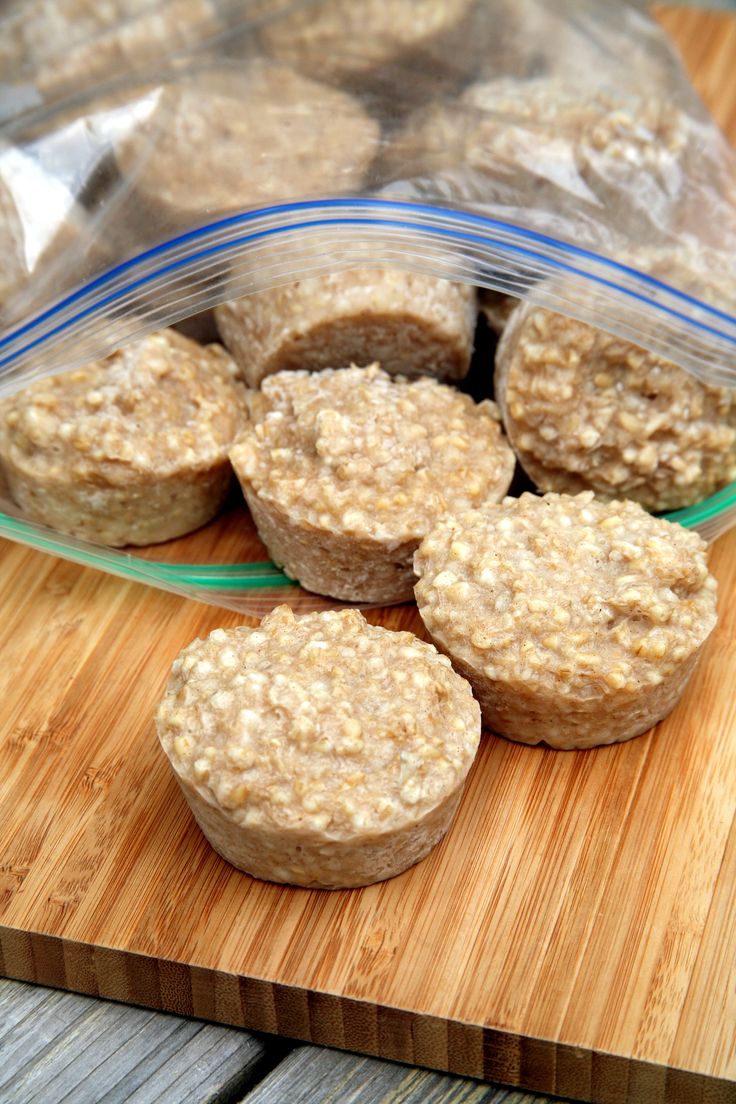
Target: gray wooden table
x: 58, y: 1047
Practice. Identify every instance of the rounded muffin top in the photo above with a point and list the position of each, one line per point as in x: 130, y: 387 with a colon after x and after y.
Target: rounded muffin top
x: 323, y: 36
x: 245, y: 135
x: 629, y: 129
x: 371, y: 455
x: 584, y: 409
x: 320, y: 723
x: 566, y: 591
x: 161, y: 404
x: 544, y: 127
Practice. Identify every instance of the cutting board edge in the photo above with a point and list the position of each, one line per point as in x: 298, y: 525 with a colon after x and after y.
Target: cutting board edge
x: 351, y: 1023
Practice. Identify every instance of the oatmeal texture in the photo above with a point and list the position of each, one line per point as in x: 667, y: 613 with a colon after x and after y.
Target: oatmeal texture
x: 67, y: 44
x: 538, y: 144
x: 12, y: 271
x: 333, y: 40
x: 690, y: 266
x: 34, y: 251
x: 636, y: 136
x: 413, y: 325
x: 577, y: 622
x: 245, y: 135
x: 131, y: 449
x: 320, y: 750
x: 345, y: 471
x: 584, y: 409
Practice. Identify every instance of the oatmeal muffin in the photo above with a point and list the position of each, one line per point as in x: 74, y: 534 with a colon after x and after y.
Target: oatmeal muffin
x: 320, y: 751
x: 577, y: 622
x: 414, y: 325
x: 339, y: 42
x: 131, y: 449
x: 539, y: 146
x: 584, y: 409
x: 243, y: 136
x: 345, y: 471
x: 64, y: 45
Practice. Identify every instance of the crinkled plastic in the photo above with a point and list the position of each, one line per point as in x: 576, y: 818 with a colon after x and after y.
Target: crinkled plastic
x: 159, y: 158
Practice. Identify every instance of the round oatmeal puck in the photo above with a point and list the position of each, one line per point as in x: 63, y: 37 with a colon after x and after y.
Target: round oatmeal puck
x: 244, y: 135
x: 412, y: 324
x: 320, y: 751
x: 335, y: 41
x: 539, y: 146
x: 131, y: 449
x: 345, y: 471
x: 586, y: 410
x: 65, y: 46
x: 577, y: 622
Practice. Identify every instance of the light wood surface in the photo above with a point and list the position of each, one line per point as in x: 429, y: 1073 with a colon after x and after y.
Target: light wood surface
x: 573, y: 935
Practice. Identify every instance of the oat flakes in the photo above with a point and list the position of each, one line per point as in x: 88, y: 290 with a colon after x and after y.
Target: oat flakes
x: 243, y: 136
x: 131, y: 449
x: 345, y: 471
x: 320, y: 751
x: 577, y: 622
x: 584, y: 409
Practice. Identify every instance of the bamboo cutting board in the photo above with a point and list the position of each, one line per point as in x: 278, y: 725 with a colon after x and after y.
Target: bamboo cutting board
x: 574, y: 934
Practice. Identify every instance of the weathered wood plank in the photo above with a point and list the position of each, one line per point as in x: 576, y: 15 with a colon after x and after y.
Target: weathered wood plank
x: 310, y: 1075
x: 58, y: 1046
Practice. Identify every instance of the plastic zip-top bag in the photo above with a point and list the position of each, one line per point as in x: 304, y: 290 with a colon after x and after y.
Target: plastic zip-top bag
x: 320, y: 183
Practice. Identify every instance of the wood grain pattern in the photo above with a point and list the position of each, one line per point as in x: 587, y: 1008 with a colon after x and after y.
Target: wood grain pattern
x: 312, y: 1076
x: 60, y: 1046
x: 574, y: 934
x: 57, y: 1047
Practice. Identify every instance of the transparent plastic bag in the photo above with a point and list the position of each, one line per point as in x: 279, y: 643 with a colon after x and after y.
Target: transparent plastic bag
x: 550, y: 150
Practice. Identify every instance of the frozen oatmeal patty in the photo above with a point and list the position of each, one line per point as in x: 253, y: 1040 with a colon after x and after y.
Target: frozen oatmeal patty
x: 412, y: 324
x: 538, y: 145
x: 577, y: 622
x: 243, y: 135
x: 586, y: 410
x: 131, y: 449
x: 334, y: 40
x: 320, y: 751
x: 345, y: 471
x: 67, y: 45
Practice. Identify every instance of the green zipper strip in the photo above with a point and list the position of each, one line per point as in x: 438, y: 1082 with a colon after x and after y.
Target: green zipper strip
x: 245, y: 576
x: 712, y: 507
x: 198, y: 576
